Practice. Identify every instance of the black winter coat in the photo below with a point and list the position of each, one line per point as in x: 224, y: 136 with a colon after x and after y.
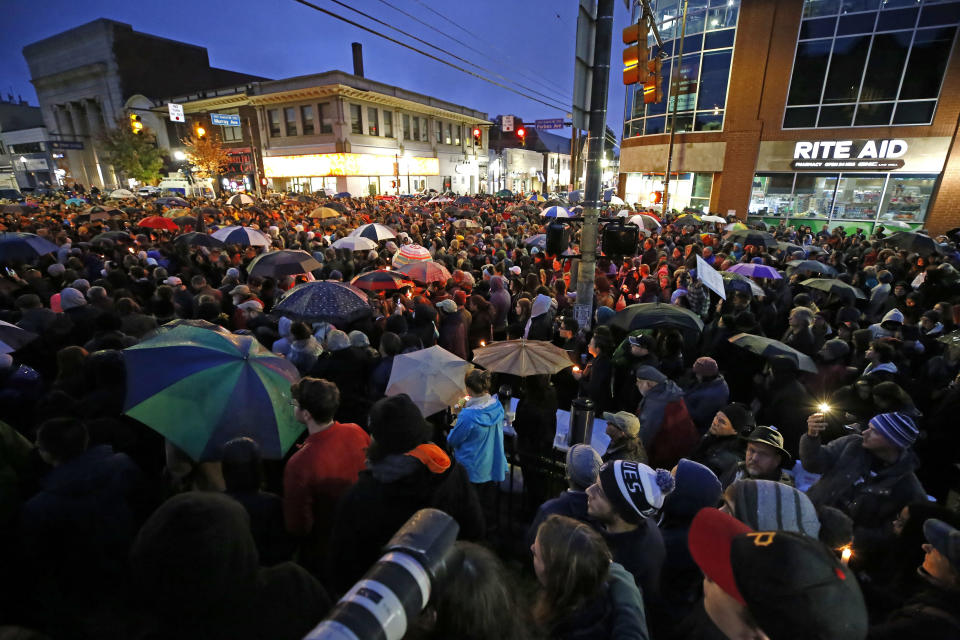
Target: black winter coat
x: 719, y: 453
x: 932, y: 613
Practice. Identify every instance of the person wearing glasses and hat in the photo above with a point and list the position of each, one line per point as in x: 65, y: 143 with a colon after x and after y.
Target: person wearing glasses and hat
x: 765, y: 459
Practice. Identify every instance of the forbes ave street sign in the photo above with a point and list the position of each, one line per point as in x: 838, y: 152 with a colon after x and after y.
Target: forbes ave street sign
x: 862, y: 155
x: 551, y: 123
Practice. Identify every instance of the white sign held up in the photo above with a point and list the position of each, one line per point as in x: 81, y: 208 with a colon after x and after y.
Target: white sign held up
x: 710, y: 278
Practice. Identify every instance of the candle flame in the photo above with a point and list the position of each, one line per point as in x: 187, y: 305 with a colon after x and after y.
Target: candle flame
x: 846, y: 554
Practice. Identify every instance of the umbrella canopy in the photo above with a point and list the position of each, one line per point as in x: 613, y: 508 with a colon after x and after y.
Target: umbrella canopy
x: 324, y: 301
x: 466, y: 223
x: 616, y: 201
x: 122, y: 193
x: 811, y: 266
x: 555, y: 212
x: 952, y: 338
x: 439, y: 200
x: 504, y: 193
x: 425, y: 272
x: 158, y: 222
x: 713, y: 219
x: 688, y: 218
x: 201, y: 389
x: 355, y: 243
x: 433, y: 378
x: 76, y: 202
x: 536, y: 197
x: 342, y: 194
x: 737, y: 282
x: 24, y: 247
x: 240, y: 200
x: 172, y: 201
x: 243, y: 236
x: 522, y: 357
x: 337, y: 206
x: 916, y: 242
x: 381, y: 280
x: 112, y: 236
x: 304, y: 199
x: 177, y: 213
x: 539, y: 240
x: 189, y: 322
x: 325, y: 213
x: 754, y: 270
x: 653, y: 315
x: 834, y: 286
x: 410, y: 253
x: 285, y: 262
x: 644, y: 221
x: 13, y: 337
x: 897, y: 224
x: 465, y: 201
x: 184, y: 221
x: 768, y: 348
x: 374, y: 231
x: 750, y: 236
x: 789, y: 247
x: 736, y: 226
x: 197, y: 239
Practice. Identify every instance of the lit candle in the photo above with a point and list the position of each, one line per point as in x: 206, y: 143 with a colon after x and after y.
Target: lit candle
x: 576, y: 369
x: 846, y: 553
x: 482, y: 343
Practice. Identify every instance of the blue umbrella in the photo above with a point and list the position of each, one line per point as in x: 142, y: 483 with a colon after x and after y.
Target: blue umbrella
x: 76, y: 201
x: 342, y: 194
x: 754, y: 270
x: 465, y: 201
x: 555, y: 212
x: 24, y: 247
x: 243, y: 236
x: 539, y: 240
x: 326, y: 301
x: 172, y: 201
x: 197, y: 239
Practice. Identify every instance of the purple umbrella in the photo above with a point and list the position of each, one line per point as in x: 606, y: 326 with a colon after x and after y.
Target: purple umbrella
x: 754, y: 270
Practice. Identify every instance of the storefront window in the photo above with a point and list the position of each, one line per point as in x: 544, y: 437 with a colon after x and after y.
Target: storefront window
x: 771, y: 194
x: 858, y: 197
x: 700, y: 194
x: 813, y: 195
x: 907, y: 197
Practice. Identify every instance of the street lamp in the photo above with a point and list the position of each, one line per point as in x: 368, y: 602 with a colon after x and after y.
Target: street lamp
x: 179, y: 155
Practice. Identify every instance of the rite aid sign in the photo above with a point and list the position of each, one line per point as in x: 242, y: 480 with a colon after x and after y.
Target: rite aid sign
x: 849, y: 155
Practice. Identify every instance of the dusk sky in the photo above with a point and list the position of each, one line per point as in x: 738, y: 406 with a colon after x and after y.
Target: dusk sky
x: 529, y: 42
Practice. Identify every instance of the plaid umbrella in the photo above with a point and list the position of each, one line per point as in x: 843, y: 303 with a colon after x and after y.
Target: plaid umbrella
x: 285, y: 262
x: 381, y: 280
x: 754, y: 270
x: 243, y: 236
x: 24, y: 247
x: 326, y: 301
x: 425, y: 272
x: 200, y: 389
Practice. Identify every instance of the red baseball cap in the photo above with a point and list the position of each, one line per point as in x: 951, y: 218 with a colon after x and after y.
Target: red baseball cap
x: 711, y: 535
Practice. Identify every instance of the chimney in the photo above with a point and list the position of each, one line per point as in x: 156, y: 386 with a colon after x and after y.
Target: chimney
x: 357, y: 59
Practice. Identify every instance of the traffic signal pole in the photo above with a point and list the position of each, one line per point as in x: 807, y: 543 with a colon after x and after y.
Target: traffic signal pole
x: 583, y: 309
x: 674, y: 93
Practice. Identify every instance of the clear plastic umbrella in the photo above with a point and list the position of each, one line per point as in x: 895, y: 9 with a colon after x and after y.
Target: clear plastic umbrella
x: 433, y: 378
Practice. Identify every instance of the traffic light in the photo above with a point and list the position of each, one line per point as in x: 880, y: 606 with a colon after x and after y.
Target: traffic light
x: 653, y: 86
x: 136, y: 125
x: 477, y: 137
x: 522, y: 134
x: 635, y: 55
x: 200, y: 131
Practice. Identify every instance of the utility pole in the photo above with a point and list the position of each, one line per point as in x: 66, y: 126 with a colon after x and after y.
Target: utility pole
x: 583, y: 310
x: 674, y: 93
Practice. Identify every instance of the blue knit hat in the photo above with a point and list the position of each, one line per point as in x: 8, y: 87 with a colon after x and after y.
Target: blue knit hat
x: 898, y: 428
x: 696, y: 487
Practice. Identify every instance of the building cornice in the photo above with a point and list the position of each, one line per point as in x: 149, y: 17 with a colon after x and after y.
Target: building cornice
x: 56, y: 80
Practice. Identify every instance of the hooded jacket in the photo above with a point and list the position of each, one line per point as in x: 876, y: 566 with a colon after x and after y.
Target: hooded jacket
x: 477, y: 440
x: 877, y: 330
x: 500, y: 299
x: 540, y: 324
x: 704, y: 399
x: 666, y: 429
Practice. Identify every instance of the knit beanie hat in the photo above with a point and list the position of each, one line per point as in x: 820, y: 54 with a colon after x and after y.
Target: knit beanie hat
x: 696, y: 487
x: 740, y: 417
x: 604, y: 316
x: 898, y: 428
x: 397, y: 425
x: 706, y: 366
x: 635, y: 490
x: 765, y: 505
x: 583, y: 465
x: 71, y: 298
x: 646, y: 372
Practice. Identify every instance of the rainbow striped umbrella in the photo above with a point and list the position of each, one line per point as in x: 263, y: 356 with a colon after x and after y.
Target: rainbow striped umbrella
x: 410, y: 253
x: 200, y: 389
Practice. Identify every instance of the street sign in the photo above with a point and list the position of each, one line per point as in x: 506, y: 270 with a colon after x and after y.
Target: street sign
x: 176, y: 112
x: 506, y: 123
x: 550, y: 123
x: 583, y: 63
x: 74, y: 145
x: 225, y: 119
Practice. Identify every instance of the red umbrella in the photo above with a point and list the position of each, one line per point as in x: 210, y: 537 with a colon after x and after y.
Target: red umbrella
x: 381, y: 280
x: 425, y: 272
x: 159, y: 222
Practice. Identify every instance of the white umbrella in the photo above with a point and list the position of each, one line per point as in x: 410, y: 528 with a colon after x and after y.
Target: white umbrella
x: 122, y: 193
x: 433, y: 378
x: 13, y: 337
x: 439, y: 200
x: 644, y: 222
x: 713, y: 219
x: 617, y: 201
x: 239, y: 200
x: 243, y: 236
x: 898, y: 224
x: 355, y: 243
x: 374, y: 231
x: 555, y: 212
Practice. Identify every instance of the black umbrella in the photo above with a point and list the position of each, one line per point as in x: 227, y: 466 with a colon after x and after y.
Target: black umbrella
x: 324, y: 301
x: 24, y: 247
x: 172, y: 201
x: 749, y: 236
x: 916, y: 242
x: 655, y: 315
x: 337, y: 206
x: 256, y: 210
x: 834, y: 286
x: 768, y: 348
x: 197, y: 239
x: 305, y: 199
x: 285, y: 262
x: 811, y: 266
x: 112, y: 236
x: 451, y: 211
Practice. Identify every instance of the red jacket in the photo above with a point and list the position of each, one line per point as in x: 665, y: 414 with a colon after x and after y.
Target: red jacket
x: 317, y: 475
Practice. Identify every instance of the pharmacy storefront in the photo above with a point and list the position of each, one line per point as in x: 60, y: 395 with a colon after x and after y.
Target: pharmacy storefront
x: 360, y: 174
x: 850, y: 183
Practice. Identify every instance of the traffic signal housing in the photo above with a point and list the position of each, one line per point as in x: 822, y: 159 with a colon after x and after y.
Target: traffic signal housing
x: 136, y: 124
x: 558, y: 238
x: 477, y: 137
x: 199, y: 130
x: 522, y: 134
x: 635, y: 55
x: 653, y: 86
x: 620, y: 239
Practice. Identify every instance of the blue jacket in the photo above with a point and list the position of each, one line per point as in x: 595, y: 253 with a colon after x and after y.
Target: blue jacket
x: 477, y: 440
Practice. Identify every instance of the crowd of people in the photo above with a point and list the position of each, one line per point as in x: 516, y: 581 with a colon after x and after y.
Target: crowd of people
x: 742, y: 493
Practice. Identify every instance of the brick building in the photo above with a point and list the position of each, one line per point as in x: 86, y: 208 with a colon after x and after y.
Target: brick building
x: 839, y: 112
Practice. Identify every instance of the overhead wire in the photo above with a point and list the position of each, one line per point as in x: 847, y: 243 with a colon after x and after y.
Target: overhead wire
x: 353, y: 23
x: 565, y: 92
x: 441, y: 49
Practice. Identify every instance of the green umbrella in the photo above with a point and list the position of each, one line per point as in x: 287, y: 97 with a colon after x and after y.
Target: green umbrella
x: 200, y: 388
